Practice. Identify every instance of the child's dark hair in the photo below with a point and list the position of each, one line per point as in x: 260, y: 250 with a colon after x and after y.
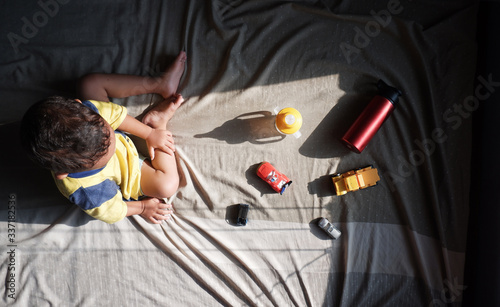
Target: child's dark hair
x: 63, y: 135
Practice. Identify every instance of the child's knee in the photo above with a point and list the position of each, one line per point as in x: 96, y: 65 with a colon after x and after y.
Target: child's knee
x: 90, y: 87
x: 87, y: 80
x: 167, y: 188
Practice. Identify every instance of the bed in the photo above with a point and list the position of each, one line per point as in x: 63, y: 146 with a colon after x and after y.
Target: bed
x: 403, y: 241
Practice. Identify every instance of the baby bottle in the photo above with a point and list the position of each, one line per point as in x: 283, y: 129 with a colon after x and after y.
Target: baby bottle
x: 288, y: 121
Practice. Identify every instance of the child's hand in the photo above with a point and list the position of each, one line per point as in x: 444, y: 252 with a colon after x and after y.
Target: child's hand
x: 156, y: 210
x: 162, y: 140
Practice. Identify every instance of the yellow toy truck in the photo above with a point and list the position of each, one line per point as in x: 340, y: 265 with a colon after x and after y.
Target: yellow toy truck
x: 355, y: 180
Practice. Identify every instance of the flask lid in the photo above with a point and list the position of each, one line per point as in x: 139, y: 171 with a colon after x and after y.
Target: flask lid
x: 389, y: 92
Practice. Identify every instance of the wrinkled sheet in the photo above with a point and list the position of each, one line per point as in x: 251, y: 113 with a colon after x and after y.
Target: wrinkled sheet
x: 403, y: 241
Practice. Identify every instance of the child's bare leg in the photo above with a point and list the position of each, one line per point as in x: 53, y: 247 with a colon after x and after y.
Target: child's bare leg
x: 159, y: 178
x: 102, y: 86
x: 168, y: 82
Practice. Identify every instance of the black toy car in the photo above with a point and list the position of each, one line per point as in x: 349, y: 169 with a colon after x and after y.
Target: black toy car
x: 242, y: 215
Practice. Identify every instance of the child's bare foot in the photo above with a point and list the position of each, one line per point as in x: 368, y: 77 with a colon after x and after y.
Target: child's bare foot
x: 169, y: 80
x: 159, y: 115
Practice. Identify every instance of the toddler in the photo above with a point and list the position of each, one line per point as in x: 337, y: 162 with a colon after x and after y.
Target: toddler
x: 93, y: 161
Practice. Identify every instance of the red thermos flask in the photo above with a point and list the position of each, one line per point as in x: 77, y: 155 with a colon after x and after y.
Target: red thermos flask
x: 372, y: 117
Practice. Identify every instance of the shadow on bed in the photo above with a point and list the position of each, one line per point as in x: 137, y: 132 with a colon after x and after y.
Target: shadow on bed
x: 255, y: 127
x: 30, y: 185
x: 321, y: 187
x: 324, y: 141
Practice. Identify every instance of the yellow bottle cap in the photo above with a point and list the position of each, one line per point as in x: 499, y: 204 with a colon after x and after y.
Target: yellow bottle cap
x: 288, y: 120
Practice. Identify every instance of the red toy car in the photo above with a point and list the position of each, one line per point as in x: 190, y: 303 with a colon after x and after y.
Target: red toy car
x: 275, y: 179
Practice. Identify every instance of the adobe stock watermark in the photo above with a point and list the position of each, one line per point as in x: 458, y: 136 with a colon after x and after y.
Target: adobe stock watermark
x: 363, y: 36
x: 31, y: 26
x: 454, y: 117
x: 12, y: 275
x: 451, y: 293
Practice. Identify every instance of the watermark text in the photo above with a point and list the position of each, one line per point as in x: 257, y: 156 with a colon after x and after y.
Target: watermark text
x: 10, y: 282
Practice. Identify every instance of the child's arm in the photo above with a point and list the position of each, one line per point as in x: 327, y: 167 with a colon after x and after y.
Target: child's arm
x: 155, y: 138
x: 152, y: 209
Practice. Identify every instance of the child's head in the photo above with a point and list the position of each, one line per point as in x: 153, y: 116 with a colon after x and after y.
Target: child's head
x: 63, y: 135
